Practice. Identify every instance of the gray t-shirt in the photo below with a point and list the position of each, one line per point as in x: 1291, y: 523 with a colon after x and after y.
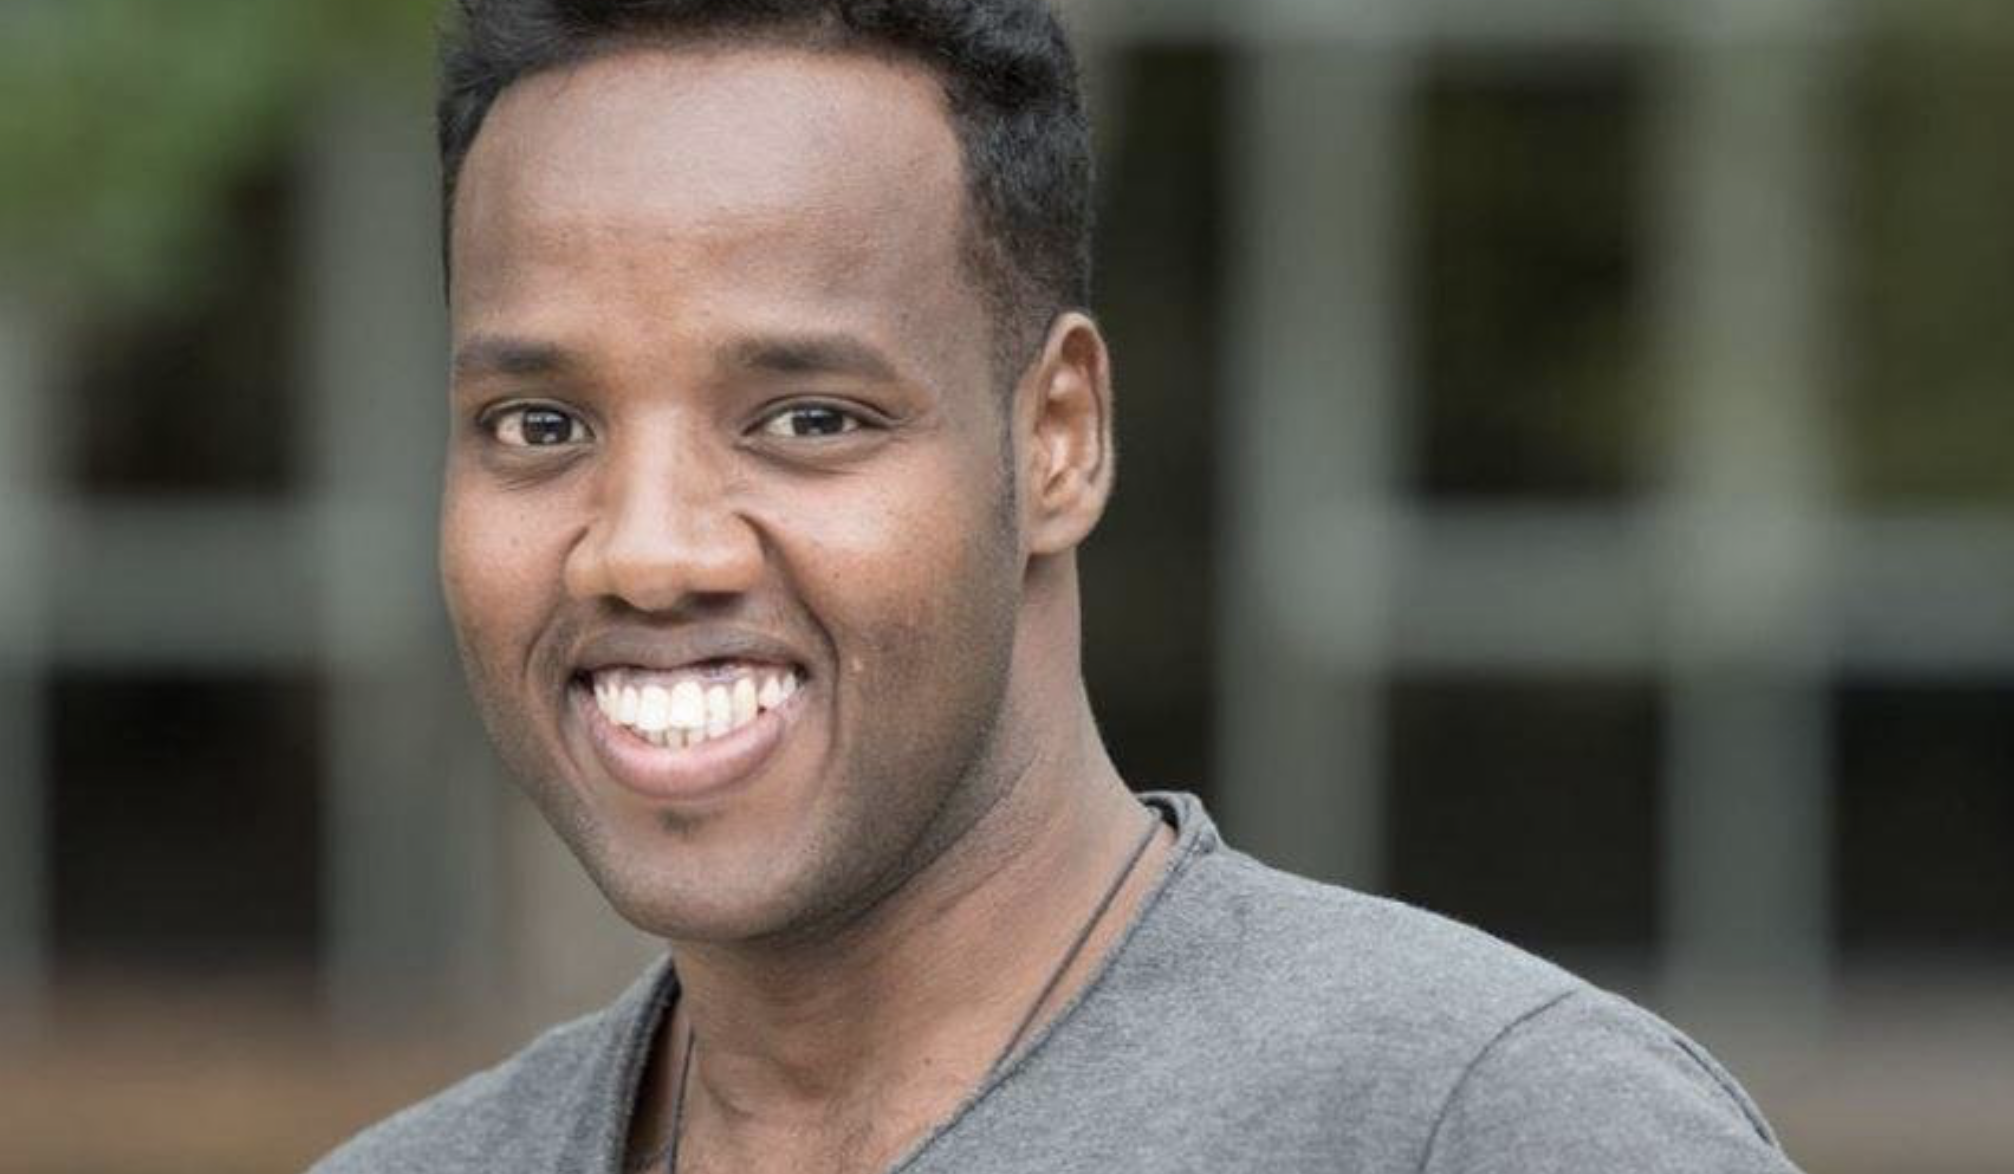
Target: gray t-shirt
x: 1248, y: 1020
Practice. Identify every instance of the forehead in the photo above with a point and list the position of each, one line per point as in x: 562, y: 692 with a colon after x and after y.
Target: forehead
x: 720, y: 175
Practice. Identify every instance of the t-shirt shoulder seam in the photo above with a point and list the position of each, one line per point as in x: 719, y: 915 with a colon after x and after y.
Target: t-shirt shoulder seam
x: 1728, y: 1087
x: 1468, y: 1070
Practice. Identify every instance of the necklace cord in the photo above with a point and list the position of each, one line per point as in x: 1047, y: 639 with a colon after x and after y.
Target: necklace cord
x: 1077, y: 947
x: 668, y: 1152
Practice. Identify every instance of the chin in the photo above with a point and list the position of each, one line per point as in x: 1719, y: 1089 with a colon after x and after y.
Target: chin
x: 714, y: 897
x: 715, y: 915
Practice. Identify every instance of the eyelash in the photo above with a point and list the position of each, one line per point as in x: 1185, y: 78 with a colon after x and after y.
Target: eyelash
x: 495, y: 422
x: 851, y: 420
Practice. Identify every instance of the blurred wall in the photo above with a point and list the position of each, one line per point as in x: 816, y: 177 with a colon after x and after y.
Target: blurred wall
x: 1565, y: 484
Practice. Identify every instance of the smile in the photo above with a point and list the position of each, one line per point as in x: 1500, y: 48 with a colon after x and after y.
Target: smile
x: 678, y: 733
x: 690, y: 708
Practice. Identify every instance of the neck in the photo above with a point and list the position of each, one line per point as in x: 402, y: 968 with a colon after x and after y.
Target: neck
x: 853, y: 1039
x: 934, y: 977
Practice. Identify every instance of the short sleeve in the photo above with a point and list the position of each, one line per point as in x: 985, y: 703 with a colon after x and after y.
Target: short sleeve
x: 1590, y: 1082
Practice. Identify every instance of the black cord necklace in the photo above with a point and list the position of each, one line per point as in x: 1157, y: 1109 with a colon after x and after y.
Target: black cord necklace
x: 668, y: 1153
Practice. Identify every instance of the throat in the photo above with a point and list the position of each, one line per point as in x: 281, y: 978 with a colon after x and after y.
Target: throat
x: 900, y: 1023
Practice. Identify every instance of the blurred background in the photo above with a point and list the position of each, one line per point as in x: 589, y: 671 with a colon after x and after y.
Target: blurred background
x: 1568, y: 483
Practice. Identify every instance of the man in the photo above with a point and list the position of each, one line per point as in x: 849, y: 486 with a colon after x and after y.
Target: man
x: 778, y: 418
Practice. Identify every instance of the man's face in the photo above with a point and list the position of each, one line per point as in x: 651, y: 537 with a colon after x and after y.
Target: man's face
x: 726, y: 535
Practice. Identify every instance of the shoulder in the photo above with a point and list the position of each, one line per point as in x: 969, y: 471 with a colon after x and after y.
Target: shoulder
x: 1460, y: 1045
x: 555, y: 1097
x: 1345, y: 964
x: 1335, y: 960
x: 1590, y: 1081
x: 461, y: 1127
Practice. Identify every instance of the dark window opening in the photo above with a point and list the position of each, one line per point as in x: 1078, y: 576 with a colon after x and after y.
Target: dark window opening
x: 1925, y: 859
x: 1526, y: 202
x: 1529, y: 808
x: 183, y: 822
x: 195, y: 396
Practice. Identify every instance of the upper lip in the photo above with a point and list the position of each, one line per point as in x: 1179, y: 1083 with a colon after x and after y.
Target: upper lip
x: 665, y: 651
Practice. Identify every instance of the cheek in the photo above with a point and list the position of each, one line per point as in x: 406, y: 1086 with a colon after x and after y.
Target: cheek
x: 914, y: 583
x: 494, y: 574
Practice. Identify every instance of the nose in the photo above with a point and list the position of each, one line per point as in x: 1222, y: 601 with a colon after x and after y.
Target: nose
x: 665, y: 530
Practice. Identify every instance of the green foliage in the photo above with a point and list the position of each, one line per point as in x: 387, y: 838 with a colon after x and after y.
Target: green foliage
x: 121, y: 121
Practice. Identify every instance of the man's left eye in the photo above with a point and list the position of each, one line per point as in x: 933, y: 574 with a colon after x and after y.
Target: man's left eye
x: 810, y: 420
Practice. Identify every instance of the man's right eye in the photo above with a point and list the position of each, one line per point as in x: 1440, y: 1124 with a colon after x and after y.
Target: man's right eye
x: 536, y: 427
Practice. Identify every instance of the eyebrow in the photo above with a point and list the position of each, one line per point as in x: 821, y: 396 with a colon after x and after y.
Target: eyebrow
x: 772, y: 354
x: 809, y: 354
x: 497, y: 355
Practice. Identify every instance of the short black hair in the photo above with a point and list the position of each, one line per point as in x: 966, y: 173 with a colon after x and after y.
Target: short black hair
x: 1006, y: 67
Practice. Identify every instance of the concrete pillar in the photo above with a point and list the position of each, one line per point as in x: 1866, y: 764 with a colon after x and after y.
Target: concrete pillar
x: 26, y: 407
x: 1311, y: 398
x: 1747, y: 528
x: 407, y: 847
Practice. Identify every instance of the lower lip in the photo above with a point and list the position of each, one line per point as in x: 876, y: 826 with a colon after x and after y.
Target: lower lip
x: 667, y: 774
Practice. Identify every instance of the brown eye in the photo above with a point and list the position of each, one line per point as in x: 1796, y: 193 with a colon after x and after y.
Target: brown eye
x: 810, y: 421
x: 537, y: 427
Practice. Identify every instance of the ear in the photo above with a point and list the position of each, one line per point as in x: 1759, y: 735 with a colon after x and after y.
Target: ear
x: 1063, y: 417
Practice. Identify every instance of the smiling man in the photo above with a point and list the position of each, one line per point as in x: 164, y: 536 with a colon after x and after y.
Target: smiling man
x: 777, y: 419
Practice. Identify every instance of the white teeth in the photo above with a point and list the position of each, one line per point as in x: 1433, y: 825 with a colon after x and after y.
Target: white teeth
x: 690, y: 710
x: 688, y: 705
x: 719, y: 711
x: 655, y: 713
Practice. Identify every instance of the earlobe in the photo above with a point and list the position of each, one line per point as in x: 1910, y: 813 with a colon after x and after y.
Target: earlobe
x: 1067, y: 414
